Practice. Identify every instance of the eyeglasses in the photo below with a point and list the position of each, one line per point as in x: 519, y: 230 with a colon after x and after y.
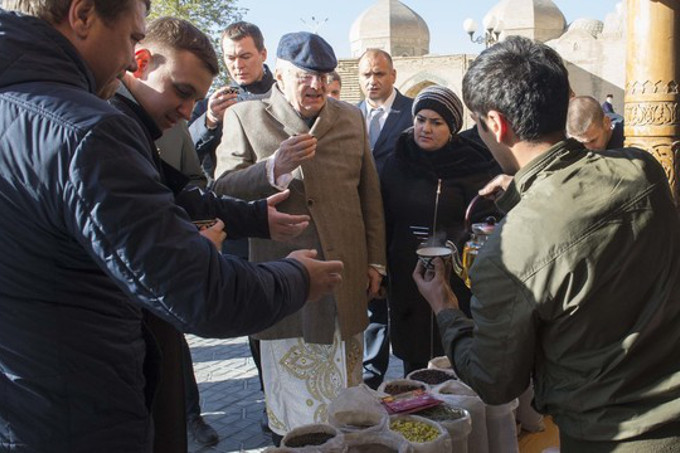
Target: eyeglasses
x: 308, y: 77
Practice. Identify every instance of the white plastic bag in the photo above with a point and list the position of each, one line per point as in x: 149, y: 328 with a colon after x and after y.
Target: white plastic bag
x: 526, y: 415
x: 440, y: 363
x: 357, y: 409
x: 501, y: 428
x: 457, y: 394
x: 335, y: 444
x: 371, y: 442
x: 458, y: 428
x: 441, y: 443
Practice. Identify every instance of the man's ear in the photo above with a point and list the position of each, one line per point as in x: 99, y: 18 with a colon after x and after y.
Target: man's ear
x: 81, y: 16
x: 264, y: 54
x: 143, y: 60
x: 278, y: 75
x: 498, y: 124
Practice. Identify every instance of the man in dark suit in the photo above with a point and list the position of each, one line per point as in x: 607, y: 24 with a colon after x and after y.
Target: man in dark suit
x: 387, y: 113
x: 607, y: 105
x: 383, y: 104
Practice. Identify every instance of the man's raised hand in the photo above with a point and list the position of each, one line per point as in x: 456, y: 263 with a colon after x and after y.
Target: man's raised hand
x: 324, y: 276
x: 218, y: 103
x: 282, y: 226
x: 292, y: 152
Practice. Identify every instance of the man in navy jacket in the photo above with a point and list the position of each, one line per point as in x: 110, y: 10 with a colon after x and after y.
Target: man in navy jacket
x: 91, y: 236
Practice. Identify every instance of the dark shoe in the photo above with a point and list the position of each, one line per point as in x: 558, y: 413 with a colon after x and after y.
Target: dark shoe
x: 202, y: 433
x: 264, y: 422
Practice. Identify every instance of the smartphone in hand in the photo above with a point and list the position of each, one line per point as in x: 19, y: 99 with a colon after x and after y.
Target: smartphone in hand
x: 204, y: 224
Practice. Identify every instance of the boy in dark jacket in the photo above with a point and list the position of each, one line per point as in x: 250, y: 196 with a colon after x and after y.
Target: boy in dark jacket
x: 175, y: 64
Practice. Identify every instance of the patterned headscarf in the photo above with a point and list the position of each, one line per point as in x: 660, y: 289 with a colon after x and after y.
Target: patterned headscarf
x: 443, y: 101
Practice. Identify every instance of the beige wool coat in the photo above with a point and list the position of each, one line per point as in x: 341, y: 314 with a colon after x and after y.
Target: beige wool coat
x: 338, y: 189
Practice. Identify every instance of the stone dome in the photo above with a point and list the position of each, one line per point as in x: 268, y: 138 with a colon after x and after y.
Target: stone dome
x: 541, y: 20
x: 592, y: 26
x: 391, y: 26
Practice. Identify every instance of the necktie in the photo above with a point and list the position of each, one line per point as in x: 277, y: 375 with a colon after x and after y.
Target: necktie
x: 374, y: 126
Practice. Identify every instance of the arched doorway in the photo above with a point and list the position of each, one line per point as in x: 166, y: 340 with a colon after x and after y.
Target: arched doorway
x: 415, y: 89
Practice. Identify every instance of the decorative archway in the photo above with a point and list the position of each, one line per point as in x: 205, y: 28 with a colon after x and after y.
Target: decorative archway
x: 415, y: 84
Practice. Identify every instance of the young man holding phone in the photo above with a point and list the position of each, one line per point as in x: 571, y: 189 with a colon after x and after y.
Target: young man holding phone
x: 244, y: 56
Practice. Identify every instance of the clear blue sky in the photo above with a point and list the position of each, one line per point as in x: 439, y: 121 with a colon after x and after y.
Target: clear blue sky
x: 444, y: 18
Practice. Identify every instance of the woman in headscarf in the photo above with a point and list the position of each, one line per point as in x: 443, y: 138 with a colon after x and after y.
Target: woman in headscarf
x: 426, y: 155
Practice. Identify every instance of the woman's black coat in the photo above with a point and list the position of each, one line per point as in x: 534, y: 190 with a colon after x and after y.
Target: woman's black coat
x: 409, y: 183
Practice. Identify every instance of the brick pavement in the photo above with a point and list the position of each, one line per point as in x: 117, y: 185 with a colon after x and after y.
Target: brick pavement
x: 231, y: 400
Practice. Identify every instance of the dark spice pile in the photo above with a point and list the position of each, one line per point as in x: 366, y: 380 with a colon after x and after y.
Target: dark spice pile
x: 309, y: 439
x: 442, y: 413
x: 432, y: 377
x: 396, y: 389
x: 359, y: 426
x: 457, y: 390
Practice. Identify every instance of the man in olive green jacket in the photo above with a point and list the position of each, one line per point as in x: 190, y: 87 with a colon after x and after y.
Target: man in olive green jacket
x: 579, y: 287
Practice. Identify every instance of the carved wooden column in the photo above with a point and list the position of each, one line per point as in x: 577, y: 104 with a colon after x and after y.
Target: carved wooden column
x: 652, y: 98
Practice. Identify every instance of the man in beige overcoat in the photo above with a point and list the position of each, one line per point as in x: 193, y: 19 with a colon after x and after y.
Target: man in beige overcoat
x: 317, y: 147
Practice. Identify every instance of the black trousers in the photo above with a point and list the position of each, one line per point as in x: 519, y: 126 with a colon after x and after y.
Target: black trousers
x: 413, y: 366
x: 376, y: 344
x: 192, y: 398
x: 167, y: 410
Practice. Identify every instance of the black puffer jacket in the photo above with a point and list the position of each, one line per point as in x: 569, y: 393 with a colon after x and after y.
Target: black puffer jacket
x: 89, y: 235
x: 409, y: 186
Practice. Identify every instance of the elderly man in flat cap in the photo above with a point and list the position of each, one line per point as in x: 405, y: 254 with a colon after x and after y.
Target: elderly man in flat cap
x: 318, y: 147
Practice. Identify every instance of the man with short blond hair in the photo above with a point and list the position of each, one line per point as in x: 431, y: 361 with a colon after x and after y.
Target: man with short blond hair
x: 588, y: 123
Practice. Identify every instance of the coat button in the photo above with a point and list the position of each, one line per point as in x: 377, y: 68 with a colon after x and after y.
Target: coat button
x: 310, y: 202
